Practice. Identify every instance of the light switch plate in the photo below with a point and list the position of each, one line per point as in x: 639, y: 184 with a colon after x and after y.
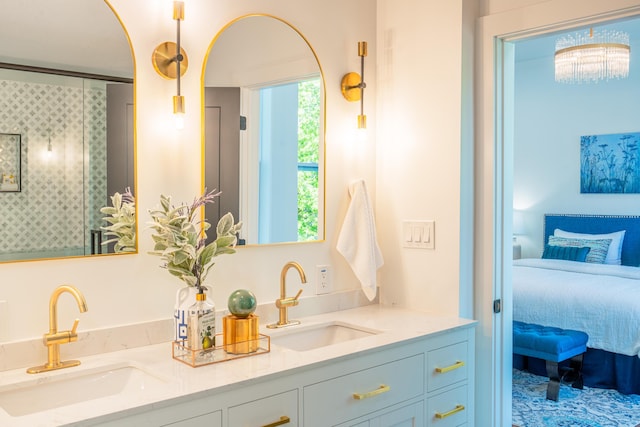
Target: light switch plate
x: 418, y: 234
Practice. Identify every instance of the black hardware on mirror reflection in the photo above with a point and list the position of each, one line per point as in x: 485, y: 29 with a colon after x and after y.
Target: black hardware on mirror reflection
x: 96, y: 242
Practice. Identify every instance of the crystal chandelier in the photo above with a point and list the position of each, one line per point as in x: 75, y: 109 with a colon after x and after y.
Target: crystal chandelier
x: 588, y: 57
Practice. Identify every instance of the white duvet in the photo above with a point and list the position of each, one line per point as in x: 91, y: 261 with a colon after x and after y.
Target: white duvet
x: 601, y: 300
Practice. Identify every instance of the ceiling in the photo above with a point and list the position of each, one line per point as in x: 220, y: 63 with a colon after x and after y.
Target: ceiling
x: 85, y: 35
x: 76, y: 35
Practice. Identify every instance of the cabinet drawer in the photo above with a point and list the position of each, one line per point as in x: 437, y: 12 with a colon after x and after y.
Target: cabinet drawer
x: 266, y: 411
x: 213, y: 419
x: 353, y: 395
x: 448, y: 409
x: 447, y: 365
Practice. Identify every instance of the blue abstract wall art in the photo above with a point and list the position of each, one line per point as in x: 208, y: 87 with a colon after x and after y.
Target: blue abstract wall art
x: 609, y: 163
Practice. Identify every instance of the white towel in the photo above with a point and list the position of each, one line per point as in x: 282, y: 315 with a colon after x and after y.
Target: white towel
x: 357, y: 240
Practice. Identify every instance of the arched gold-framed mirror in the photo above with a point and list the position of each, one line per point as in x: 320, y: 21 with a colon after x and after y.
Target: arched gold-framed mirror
x: 66, y: 88
x: 264, y: 131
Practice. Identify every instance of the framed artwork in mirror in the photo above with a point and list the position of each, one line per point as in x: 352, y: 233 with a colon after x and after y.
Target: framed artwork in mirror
x: 10, y: 173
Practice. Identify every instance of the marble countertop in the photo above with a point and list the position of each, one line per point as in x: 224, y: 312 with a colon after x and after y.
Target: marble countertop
x: 174, y: 381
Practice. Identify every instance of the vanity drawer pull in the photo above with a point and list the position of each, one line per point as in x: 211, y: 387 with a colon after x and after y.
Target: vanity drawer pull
x: 382, y: 389
x: 455, y: 410
x: 283, y: 420
x: 458, y: 364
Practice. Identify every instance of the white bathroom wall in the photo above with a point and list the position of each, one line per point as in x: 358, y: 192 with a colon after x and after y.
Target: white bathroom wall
x: 492, y: 7
x: 132, y: 288
x: 420, y: 149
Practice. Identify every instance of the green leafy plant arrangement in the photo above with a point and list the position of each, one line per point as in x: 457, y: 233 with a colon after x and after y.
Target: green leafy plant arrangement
x: 122, y: 220
x: 180, y: 238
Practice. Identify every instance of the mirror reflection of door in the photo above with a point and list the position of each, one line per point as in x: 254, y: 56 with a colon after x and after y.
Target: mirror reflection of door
x: 222, y: 151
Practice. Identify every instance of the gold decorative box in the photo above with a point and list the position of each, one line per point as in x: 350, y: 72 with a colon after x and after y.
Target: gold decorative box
x: 240, y: 334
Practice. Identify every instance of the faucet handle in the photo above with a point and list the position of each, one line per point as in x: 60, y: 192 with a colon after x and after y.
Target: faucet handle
x: 298, y: 295
x: 75, y: 326
x: 72, y: 334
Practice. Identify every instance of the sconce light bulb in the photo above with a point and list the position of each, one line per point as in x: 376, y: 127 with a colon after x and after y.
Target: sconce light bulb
x: 362, y: 121
x: 362, y: 48
x: 178, y: 10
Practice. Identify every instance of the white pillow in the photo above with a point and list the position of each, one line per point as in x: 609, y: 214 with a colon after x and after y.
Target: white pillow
x: 614, y: 255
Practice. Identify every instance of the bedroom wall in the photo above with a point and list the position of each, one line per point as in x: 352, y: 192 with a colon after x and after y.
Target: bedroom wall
x: 549, y: 120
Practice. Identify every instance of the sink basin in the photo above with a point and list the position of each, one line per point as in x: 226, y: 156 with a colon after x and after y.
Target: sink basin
x: 310, y: 337
x: 51, y: 390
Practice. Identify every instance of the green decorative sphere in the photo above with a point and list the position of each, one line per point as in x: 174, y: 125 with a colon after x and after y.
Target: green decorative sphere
x: 242, y: 303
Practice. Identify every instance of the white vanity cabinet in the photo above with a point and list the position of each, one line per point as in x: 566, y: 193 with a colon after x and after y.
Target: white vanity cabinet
x: 425, y: 380
x: 193, y: 413
x: 363, y: 391
x: 449, y: 367
x: 213, y: 419
x: 278, y: 409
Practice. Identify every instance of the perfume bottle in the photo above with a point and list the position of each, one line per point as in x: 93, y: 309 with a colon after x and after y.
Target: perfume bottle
x: 201, y: 325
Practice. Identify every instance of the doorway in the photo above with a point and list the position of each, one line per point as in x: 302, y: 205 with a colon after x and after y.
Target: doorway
x: 494, y: 183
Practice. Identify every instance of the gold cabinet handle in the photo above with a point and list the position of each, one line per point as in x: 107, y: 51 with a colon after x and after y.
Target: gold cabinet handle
x: 458, y: 364
x: 283, y: 420
x: 382, y: 389
x: 455, y: 410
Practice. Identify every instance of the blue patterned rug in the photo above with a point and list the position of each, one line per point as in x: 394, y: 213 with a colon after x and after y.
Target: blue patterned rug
x: 591, y: 407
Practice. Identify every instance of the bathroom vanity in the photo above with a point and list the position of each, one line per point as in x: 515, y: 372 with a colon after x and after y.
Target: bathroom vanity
x: 397, y: 366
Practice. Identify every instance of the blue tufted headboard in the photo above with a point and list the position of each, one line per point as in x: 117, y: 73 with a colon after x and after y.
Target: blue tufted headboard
x: 598, y: 224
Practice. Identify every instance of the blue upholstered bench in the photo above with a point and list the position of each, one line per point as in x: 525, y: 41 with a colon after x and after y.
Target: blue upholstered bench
x: 554, y: 345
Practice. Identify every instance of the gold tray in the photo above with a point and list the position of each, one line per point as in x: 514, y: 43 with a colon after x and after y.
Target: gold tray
x: 219, y: 353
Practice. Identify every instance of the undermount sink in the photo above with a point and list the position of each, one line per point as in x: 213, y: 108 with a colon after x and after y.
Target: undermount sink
x: 310, y: 337
x: 74, y: 385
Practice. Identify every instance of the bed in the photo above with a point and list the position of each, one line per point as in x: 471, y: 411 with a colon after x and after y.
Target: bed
x: 600, y: 298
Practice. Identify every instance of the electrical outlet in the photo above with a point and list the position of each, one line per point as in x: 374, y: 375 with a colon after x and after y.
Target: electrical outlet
x: 323, y: 279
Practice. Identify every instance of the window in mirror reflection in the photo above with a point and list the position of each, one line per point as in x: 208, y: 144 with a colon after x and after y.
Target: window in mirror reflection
x: 289, y: 135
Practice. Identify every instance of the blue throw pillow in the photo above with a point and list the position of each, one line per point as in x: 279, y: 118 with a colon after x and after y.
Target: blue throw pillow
x: 597, y: 248
x: 568, y: 253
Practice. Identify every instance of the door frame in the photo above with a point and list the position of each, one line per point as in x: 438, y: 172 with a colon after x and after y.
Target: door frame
x: 494, y: 171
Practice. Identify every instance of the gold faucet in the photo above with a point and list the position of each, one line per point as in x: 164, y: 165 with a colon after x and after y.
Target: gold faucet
x: 284, y: 303
x: 54, y: 338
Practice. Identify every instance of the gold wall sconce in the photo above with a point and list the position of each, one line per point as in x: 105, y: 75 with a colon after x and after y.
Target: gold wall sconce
x: 170, y: 61
x: 353, y: 85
